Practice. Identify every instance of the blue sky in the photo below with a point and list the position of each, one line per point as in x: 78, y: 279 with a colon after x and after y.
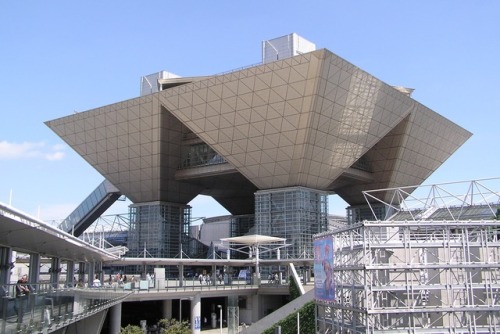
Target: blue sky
x: 58, y: 57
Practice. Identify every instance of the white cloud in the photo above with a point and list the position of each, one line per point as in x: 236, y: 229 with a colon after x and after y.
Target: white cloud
x: 59, y: 147
x: 54, y: 156
x: 30, y: 150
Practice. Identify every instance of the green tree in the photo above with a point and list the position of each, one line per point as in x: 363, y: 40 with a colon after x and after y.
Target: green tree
x: 131, y: 329
x: 172, y: 326
x: 289, y: 324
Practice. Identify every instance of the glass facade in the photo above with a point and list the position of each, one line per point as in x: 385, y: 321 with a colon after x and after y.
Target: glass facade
x: 363, y: 164
x: 197, y: 155
x: 241, y: 225
x: 356, y: 214
x: 293, y: 213
x: 159, y: 229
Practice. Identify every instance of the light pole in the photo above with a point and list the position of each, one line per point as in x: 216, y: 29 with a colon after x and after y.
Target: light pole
x: 220, y: 318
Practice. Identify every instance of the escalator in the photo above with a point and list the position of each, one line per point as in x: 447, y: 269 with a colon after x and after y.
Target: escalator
x: 90, y: 209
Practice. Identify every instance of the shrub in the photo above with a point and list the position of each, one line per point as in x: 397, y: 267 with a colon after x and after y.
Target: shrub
x: 289, y: 324
x: 172, y: 326
x: 131, y: 329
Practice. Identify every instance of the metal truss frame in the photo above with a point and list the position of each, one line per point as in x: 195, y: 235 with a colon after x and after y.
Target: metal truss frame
x: 420, y: 201
x: 417, y: 275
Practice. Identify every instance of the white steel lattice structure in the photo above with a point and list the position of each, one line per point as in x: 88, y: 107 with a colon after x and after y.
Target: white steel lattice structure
x: 417, y: 275
x: 451, y: 201
x: 109, y: 232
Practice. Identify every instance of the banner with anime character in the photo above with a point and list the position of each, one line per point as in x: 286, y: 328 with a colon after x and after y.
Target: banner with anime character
x: 324, y: 288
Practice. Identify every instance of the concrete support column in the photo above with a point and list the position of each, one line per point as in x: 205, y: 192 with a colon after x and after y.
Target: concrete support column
x: 229, y: 274
x: 34, y: 273
x: 232, y: 300
x: 167, y: 309
x: 98, y: 271
x: 78, y: 304
x: 81, y: 273
x: 255, y: 308
x: 257, y: 269
x: 5, y: 265
x: 233, y: 315
x: 91, y: 273
x: 70, y: 271
x: 214, y: 267
x: 55, y: 270
x: 115, y: 319
x: 181, y: 275
x: 228, y: 270
x: 213, y: 275
x: 305, y: 275
x: 196, y: 314
x: 280, y: 274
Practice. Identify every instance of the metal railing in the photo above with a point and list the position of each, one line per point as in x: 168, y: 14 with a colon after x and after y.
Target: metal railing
x: 192, y: 284
x: 48, y: 307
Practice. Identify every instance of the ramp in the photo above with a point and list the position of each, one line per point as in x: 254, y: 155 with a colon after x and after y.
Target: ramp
x: 279, y: 314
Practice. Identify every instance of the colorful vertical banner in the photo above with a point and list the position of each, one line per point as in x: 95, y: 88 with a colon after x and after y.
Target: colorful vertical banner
x: 324, y: 288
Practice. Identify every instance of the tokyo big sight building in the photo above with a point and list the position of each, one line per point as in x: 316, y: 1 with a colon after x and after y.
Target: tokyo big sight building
x: 268, y: 142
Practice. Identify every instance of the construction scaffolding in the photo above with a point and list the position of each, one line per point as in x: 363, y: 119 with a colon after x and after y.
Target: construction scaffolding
x: 416, y: 275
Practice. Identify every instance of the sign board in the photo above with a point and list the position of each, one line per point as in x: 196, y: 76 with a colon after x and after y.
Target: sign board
x: 324, y: 287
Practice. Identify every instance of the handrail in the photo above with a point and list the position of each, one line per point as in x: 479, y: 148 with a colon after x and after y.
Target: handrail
x: 169, y: 285
x: 48, y: 307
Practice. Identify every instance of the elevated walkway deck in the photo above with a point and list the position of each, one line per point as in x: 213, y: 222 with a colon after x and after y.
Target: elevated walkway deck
x: 47, y: 309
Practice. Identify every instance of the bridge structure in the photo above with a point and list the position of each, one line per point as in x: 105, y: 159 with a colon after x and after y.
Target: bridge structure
x: 62, y: 297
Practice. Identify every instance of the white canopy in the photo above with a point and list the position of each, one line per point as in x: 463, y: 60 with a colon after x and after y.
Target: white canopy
x: 254, y: 239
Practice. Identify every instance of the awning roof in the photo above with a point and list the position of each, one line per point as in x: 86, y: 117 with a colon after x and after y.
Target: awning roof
x: 254, y: 239
x: 24, y: 233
